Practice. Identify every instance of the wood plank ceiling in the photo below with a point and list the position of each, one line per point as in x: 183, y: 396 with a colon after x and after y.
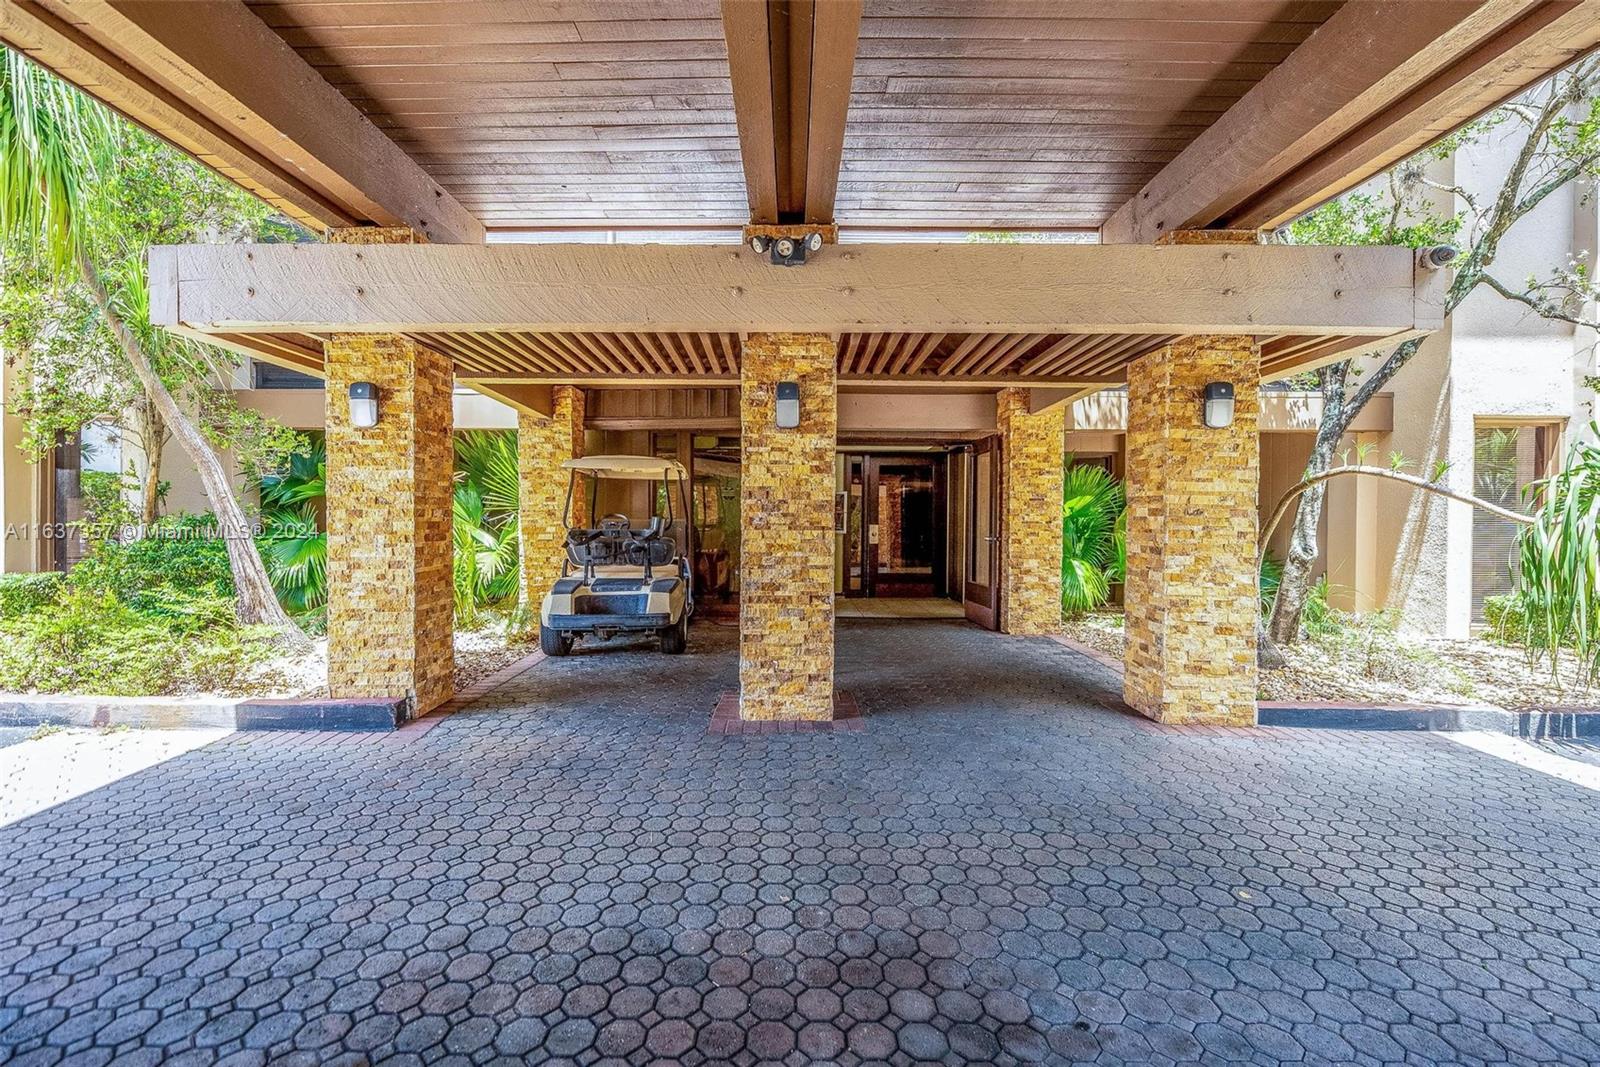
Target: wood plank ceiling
x: 932, y: 358
x: 583, y: 112
x: 619, y: 113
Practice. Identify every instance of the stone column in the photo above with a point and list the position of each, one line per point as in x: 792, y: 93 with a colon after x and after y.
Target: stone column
x: 1032, y: 454
x: 786, y: 523
x: 1192, y: 525
x: 390, y: 606
x: 543, y: 444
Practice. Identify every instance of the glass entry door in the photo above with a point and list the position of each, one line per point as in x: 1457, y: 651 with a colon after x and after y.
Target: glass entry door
x: 894, y: 526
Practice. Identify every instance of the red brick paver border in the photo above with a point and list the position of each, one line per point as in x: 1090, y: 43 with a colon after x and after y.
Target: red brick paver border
x: 725, y: 721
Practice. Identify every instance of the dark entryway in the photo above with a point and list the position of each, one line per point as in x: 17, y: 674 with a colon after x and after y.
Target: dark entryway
x: 896, y: 520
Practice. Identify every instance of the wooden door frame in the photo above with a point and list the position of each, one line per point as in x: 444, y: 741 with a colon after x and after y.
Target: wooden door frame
x: 984, y: 611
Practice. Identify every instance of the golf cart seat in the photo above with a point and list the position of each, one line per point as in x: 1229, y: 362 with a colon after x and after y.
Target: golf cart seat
x: 615, y: 544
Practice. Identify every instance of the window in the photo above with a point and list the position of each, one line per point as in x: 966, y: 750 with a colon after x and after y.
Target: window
x: 272, y: 376
x: 1506, y: 459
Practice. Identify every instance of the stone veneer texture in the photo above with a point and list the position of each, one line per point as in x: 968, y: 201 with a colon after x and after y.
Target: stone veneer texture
x: 390, y: 609
x: 786, y: 516
x: 391, y: 613
x: 1032, y: 454
x: 1191, y: 600
x: 543, y: 444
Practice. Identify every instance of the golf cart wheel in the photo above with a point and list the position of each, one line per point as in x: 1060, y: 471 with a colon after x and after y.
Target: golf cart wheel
x: 554, y: 642
x: 675, y: 638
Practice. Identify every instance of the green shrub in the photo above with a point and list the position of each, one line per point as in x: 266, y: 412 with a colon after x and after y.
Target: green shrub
x: 93, y: 643
x: 1507, y: 617
x: 24, y: 593
x: 105, y: 509
x: 179, y: 570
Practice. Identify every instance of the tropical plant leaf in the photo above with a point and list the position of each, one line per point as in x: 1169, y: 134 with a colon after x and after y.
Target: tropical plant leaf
x: 1093, y: 555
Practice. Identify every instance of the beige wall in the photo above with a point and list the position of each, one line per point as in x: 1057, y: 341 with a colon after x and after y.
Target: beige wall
x: 23, y: 490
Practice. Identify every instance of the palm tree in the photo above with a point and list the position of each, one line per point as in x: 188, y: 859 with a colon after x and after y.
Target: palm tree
x: 485, y: 520
x: 1091, y: 511
x: 293, y: 543
x: 53, y: 139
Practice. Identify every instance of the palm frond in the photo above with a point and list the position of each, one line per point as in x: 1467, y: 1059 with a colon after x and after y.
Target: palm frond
x: 1091, y: 544
x: 52, y: 141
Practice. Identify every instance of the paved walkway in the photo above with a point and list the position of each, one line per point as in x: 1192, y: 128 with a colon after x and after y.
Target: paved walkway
x: 997, y: 870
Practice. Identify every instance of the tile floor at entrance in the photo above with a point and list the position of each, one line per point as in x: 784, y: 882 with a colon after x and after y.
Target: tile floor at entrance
x: 997, y: 871
x: 897, y: 608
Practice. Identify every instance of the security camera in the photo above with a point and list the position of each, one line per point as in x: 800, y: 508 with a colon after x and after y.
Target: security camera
x: 1437, y: 257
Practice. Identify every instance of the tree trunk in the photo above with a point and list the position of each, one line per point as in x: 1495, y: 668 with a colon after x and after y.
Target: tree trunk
x: 257, y: 602
x: 1283, y: 626
x: 153, y: 433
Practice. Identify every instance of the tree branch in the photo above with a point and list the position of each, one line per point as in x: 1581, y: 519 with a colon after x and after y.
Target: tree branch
x: 1544, y: 310
x: 1380, y: 472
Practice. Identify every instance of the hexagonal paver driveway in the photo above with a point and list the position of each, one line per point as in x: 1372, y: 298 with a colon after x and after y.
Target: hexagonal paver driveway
x: 996, y: 871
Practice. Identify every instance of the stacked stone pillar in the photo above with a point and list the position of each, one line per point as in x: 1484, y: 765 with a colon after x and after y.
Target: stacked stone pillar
x: 786, y: 523
x: 1032, y: 456
x: 544, y: 442
x: 1191, y: 598
x: 390, y: 606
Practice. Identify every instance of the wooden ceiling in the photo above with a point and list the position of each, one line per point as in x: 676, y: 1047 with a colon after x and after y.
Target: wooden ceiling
x: 934, y: 359
x: 1031, y: 113
x: 541, y: 113
x: 1042, y: 115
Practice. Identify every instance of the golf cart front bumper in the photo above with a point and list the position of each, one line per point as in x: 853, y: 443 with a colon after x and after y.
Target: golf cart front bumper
x: 614, y: 605
x: 585, y: 623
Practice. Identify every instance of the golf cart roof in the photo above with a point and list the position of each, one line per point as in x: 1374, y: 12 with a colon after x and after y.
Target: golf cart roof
x: 647, y: 467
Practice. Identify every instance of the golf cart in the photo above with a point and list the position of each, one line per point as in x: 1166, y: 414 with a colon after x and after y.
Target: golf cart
x: 620, y: 575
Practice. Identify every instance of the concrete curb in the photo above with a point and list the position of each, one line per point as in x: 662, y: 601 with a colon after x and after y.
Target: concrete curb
x: 162, y: 713
x: 353, y: 715
x: 322, y: 713
x: 1434, y: 718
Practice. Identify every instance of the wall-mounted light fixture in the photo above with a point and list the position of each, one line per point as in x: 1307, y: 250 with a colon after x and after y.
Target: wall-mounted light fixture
x: 363, y: 405
x: 1218, y: 409
x: 788, y: 405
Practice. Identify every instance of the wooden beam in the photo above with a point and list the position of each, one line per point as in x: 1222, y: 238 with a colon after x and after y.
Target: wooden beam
x: 744, y: 24
x: 1378, y: 80
x: 836, y: 29
x: 524, y: 397
x: 791, y: 63
x: 1042, y: 400
x: 218, y: 83
x: 955, y: 288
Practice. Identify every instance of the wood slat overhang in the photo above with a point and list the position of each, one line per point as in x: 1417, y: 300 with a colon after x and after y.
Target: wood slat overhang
x: 968, y: 315
x: 1087, y: 362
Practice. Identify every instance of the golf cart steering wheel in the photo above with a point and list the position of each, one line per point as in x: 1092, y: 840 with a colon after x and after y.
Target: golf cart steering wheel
x: 579, y: 537
x: 614, y: 523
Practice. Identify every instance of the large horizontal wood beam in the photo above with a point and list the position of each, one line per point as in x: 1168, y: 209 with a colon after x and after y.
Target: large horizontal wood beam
x: 217, y: 82
x: 916, y: 288
x: 1379, y: 80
